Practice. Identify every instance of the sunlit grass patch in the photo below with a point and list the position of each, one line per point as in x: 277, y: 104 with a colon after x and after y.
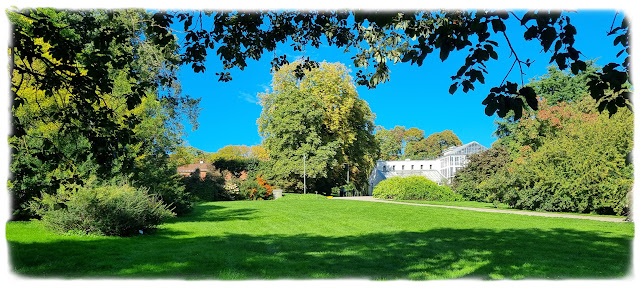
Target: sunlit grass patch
x: 309, y: 237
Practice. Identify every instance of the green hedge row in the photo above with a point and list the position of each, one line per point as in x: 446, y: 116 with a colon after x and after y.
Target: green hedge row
x: 413, y: 188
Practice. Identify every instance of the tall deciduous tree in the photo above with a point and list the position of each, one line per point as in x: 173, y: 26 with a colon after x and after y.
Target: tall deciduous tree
x: 432, y: 146
x: 319, y: 117
x: 237, y: 152
x: 391, y: 142
x: 555, y: 86
x: 73, y: 119
x: 231, y: 152
x: 401, y: 143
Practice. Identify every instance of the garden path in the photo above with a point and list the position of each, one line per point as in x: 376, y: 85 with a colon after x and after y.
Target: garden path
x: 530, y: 213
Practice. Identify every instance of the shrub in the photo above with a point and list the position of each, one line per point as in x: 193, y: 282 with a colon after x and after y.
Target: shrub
x: 172, y: 192
x: 474, y: 181
x: 232, y: 187
x: 349, y: 189
x: 163, y: 181
x: 256, y: 189
x: 413, y: 188
x: 113, y: 210
x: 209, y: 188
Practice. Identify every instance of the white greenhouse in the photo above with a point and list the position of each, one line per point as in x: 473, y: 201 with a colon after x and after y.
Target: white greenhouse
x: 439, y: 170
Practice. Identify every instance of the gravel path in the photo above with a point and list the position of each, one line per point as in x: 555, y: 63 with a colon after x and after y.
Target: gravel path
x: 530, y: 213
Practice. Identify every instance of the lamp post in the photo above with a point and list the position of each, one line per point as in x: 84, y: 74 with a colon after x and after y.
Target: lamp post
x: 304, y: 167
x: 347, y: 173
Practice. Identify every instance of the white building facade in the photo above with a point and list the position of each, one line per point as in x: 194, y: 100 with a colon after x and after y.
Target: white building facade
x: 440, y: 170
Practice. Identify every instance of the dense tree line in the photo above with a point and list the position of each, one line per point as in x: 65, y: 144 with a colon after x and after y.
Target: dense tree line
x: 223, y: 157
x: 564, y: 157
x: 70, y: 132
x: 401, y: 143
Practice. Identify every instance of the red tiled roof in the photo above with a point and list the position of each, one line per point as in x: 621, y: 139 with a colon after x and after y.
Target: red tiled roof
x: 190, y: 168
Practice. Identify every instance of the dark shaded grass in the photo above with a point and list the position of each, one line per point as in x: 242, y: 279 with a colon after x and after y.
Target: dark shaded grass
x: 311, y: 238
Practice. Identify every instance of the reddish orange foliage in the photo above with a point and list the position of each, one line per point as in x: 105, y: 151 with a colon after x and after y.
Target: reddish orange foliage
x: 262, y: 183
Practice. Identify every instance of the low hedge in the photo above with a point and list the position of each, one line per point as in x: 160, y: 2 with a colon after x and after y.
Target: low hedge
x: 413, y: 188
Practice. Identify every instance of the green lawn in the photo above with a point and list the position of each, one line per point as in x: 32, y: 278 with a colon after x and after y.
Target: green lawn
x: 304, y: 237
x: 501, y: 206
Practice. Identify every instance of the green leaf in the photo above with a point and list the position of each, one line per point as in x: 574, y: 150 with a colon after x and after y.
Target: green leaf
x: 493, y: 54
x: 548, y: 35
x: 602, y: 105
x: 611, y: 106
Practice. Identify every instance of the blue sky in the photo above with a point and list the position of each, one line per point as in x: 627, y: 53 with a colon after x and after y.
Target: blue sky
x: 414, y: 96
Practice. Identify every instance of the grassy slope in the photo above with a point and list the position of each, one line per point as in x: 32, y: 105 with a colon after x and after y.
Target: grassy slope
x: 307, y: 237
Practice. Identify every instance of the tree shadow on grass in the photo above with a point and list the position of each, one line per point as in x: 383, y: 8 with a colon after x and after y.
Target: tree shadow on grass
x: 431, y: 254
x: 209, y: 212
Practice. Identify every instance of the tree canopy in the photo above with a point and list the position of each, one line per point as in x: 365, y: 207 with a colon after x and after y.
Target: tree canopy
x: 564, y: 157
x: 401, y: 143
x: 72, y: 116
x: 235, y: 152
x: 318, y: 120
x: 377, y: 39
x: 382, y: 38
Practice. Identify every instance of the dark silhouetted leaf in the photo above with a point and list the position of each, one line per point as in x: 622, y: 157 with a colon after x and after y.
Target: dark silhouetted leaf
x: 453, y: 88
x: 498, y: 25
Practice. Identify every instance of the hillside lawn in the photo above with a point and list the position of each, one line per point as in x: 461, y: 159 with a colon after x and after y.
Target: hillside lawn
x: 311, y: 237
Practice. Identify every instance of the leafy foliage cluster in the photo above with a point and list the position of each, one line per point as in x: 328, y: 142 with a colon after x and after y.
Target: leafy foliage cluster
x: 183, y: 155
x: 481, y: 167
x: 236, y: 152
x: 382, y: 38
x: 413, y: 188
x: 232, y: 158
x: 564, y: 157
x: 582, y: 168
x: 319, y: 117
x: 256, y: 188
x: 401, y: 143
x: 114, y: 209
x: 347, y: 189
x: 237, y: 166
x: 209, y: 188
x: 95, y: 97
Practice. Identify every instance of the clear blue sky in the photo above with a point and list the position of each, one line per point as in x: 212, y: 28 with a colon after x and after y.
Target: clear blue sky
x: 414, y: 96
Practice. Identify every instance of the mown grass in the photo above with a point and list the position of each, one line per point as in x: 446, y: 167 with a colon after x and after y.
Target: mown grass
x: 501, y: 206
x: 310, y: 237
